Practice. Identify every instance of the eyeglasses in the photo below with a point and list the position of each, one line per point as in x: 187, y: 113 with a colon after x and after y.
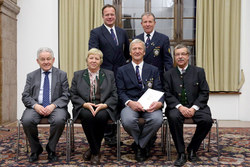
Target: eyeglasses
x: 181, y: 54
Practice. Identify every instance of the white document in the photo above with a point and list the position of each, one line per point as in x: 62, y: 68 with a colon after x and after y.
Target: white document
x: 149, y: 97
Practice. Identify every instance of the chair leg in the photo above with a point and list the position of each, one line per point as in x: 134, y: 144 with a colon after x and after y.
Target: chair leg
x: 72, y: 137
x: 163, y: 138
x: 217, y: 131
x: 168, y: 141
x: 209, y: 139
x: 118, y: 140
x: 68, y: 141
x: 18, y: 138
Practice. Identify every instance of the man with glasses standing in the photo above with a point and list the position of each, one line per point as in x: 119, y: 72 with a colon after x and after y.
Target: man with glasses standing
x: 186, y: 95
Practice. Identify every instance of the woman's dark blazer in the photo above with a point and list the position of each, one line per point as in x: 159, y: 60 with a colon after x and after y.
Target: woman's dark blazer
x: 80, y: 91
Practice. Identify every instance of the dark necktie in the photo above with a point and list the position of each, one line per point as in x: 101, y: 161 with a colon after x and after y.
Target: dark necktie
x: 148, y: 40
x: 137, y: 72
x: 113, y: 36
x: 46, y: 90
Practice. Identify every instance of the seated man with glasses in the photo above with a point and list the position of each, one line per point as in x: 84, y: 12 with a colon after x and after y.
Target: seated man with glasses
x: 186, y: 95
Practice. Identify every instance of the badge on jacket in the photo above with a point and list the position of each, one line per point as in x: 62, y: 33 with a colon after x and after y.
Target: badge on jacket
x: 156, y: 51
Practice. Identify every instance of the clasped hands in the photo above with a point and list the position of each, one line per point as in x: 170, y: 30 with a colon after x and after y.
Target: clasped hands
x: 136, y: 106
x: 98, y: 107
x: 187, y: 112
x: 45, y: 111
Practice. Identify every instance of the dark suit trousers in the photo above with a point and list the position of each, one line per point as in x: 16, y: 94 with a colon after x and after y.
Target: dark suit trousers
x: 176, y: 120
x: 94, y: 127
x: 57, y: 121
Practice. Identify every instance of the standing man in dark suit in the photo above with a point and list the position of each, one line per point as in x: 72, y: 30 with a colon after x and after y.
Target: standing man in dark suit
x: 114, y: 44
x: 157, y: 44
x: 186, y: 95
x: 45, y: 94
x: 133, y: 80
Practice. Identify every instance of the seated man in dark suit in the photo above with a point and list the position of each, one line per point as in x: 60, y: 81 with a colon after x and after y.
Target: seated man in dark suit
x: 133, y: 80
x: 46, y: 94
x: 186, y: 95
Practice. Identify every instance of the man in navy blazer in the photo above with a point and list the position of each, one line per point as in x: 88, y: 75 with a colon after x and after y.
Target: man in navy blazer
x: 186, y: 95
x: 133, y: 80
x: 36, y: 108
x: 115, y: 49
x: 158, y: 45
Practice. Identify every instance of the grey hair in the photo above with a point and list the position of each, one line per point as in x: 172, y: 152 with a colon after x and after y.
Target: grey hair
x: 147, y: 14
x: 95, y: 51
x: 180, y: 46
x: 137, y: 41
x: 45, y: 49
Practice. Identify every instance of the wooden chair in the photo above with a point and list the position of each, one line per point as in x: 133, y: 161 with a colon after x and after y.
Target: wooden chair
x: 190, y: 121
x: 42, y: 122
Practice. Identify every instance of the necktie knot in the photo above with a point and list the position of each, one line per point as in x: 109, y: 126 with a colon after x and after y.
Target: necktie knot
x: 46, y: 73
x: 148, y: 35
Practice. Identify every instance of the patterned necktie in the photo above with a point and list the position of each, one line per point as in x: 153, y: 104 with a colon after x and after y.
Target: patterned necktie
x: 137, y: 72
x: 113, y: 36
x: 148, y: 40
x: 46, y: 90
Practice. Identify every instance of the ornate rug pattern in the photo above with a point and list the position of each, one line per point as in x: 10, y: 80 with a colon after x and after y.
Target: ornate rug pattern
x: 234, y: 146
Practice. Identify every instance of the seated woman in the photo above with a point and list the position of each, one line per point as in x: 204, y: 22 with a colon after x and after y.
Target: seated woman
x: 94, y: 98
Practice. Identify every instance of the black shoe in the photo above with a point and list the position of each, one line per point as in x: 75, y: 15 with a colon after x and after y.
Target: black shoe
x: 140, y: 154
x: 51, y: 155
x: 111, y: 142
x: 134, y: 147
x: 95, y: 159
x: 87, y: 155
x: 181, y: 160
x: 147, y: 150
x: 192, y: 157
x: 34, y: 156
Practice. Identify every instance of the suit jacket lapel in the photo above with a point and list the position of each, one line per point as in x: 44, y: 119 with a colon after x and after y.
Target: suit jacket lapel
x: 102, y: 76
x: 145, y: 74
x: 38, y: 83
x: 53, y: 82
x: 107, y: 35
x: 152, y: 45
x: 131, y: 74
x: 85, y: 76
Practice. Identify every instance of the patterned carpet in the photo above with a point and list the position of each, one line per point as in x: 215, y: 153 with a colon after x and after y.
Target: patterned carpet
x: 234, y: 145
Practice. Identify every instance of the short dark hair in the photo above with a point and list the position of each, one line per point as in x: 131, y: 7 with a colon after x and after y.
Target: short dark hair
x: 108, y: 6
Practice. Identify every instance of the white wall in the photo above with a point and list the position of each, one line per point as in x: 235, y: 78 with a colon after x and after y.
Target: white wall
x: 38, y: 26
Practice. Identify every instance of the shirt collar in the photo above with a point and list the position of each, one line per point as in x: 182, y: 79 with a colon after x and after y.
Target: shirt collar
x: 108, y: 28
x: 42, y: 71
x: 151, y: 35
x: 140, y: 65
x: 180, y: 69
x: 94, y: 74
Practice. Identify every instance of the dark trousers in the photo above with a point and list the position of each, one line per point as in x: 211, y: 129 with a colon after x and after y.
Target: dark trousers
x: 94, y: 127
x: 176, y: 120
x: 57, y: 121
